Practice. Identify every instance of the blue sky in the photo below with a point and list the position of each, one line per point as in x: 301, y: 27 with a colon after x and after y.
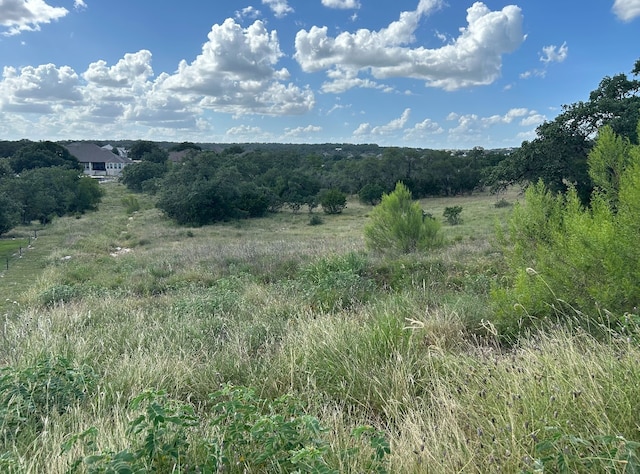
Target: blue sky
x: 418, y: 73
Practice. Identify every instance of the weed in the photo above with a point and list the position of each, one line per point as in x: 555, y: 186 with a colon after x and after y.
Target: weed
x: 52, y: 385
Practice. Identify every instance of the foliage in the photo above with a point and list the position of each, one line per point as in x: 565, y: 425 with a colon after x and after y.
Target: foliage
x: 43, y: 193
x: 143, y: 176
x: 560, y: 452
x: 568, y: 258
x: 452, y: 214
x: 185, y: 146
x: 148, y: 151
x: 336, y: 283
x: 397, y: 225
x: 333, y: 201
x: 44, y: 154
x: 131, y: 204
x: 607, y: 161
x: 558, y: 155
x: 9, y: 213
x: 251, y: 434
x: 315, y: 220
x: 31, y: 394
x: 158, y: 439
x: 202, y: 190
x: 371, y: 194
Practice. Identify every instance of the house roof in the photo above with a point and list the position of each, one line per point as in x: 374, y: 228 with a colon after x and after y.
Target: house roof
x: 92, y: 153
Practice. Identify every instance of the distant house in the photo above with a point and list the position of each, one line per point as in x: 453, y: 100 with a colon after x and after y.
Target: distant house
x: 97, y: 161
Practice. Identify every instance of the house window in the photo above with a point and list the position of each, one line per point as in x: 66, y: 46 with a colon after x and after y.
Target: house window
x: 97, y: 166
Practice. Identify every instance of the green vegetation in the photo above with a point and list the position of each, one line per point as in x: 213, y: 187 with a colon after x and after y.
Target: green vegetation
x: 333, y: 201
x: 336, y: 360
x: 576, y: 260
x: 398, y: 225
x: 452, y: 215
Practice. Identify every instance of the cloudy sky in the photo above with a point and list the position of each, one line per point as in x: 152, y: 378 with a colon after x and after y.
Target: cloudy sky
x: 419, y: 73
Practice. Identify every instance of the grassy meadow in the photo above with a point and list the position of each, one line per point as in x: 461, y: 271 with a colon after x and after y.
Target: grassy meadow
x: 270, y: 345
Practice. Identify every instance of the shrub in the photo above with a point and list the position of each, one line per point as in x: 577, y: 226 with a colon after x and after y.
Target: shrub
x: 333, y: 201
x: 251, y: 435
x: 315, y: 220
x: 52, y: 385
x: 371, y: 194
x: 568, y: 260
x: 131, y: 204
x: 452, y: 214
x: 397, y: 225
x: 502, y: 203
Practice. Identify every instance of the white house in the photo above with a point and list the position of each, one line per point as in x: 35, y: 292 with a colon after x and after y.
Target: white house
x: 98, y: 161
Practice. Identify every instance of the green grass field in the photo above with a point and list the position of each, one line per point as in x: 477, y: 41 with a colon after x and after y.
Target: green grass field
x: 123, y: 331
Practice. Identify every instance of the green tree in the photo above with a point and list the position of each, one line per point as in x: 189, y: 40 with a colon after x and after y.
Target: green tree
x: 608, y: 160
x: 558, y: 155
x: 43, y: 155
x: 143, y: 175
x: 371, y: 194
x: 397, y: 225
x: 148, y: 151
x: 9, y: 212
x: 333, y: 201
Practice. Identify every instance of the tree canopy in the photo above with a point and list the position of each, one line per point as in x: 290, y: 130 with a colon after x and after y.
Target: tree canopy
x: 558, y: 156
x: 42, y: 155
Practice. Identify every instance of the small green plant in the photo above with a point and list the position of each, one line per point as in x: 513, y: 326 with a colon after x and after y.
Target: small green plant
x: 158, y: 439
x: 502, y: 202
x: 335, y: 283
x: 59, y: 294
x: 398, y: 225
x: 315, y: 220
x: 251, y: 434
x: 452, y: 214
x: 130, y: 204
x: 561, y: 452
x: 53, y: 385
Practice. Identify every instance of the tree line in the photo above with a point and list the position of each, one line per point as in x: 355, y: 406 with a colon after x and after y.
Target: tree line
x: 250, y: 181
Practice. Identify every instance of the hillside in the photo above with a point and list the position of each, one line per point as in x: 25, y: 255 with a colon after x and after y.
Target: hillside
x: 269, y: 345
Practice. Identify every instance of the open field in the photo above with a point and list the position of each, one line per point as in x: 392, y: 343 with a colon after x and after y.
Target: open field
x: 124, y: 325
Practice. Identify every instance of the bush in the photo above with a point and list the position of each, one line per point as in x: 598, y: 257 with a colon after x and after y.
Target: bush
x: 31, y: 394
x: 452, y: 214
x: 568, y: 261
x: 251, y: 435
x: 315, y: 220
x: 371, y: 194
x: 333, y: 201
x: 131, y: 204
x: 398, y: 225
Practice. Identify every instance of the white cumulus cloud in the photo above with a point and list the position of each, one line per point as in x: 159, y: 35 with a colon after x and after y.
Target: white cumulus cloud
x: 473, y: 58
x: 236, y: 73
x: 341, y: 4
x: 280, y: 8
x: 626, y: 10
x: 27, y: 15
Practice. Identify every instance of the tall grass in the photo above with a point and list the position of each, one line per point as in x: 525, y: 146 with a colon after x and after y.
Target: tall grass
x: 352, y: 341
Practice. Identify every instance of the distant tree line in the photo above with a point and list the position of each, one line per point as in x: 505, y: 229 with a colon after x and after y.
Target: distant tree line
x: 41, y: 180
x: 208, y: 186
